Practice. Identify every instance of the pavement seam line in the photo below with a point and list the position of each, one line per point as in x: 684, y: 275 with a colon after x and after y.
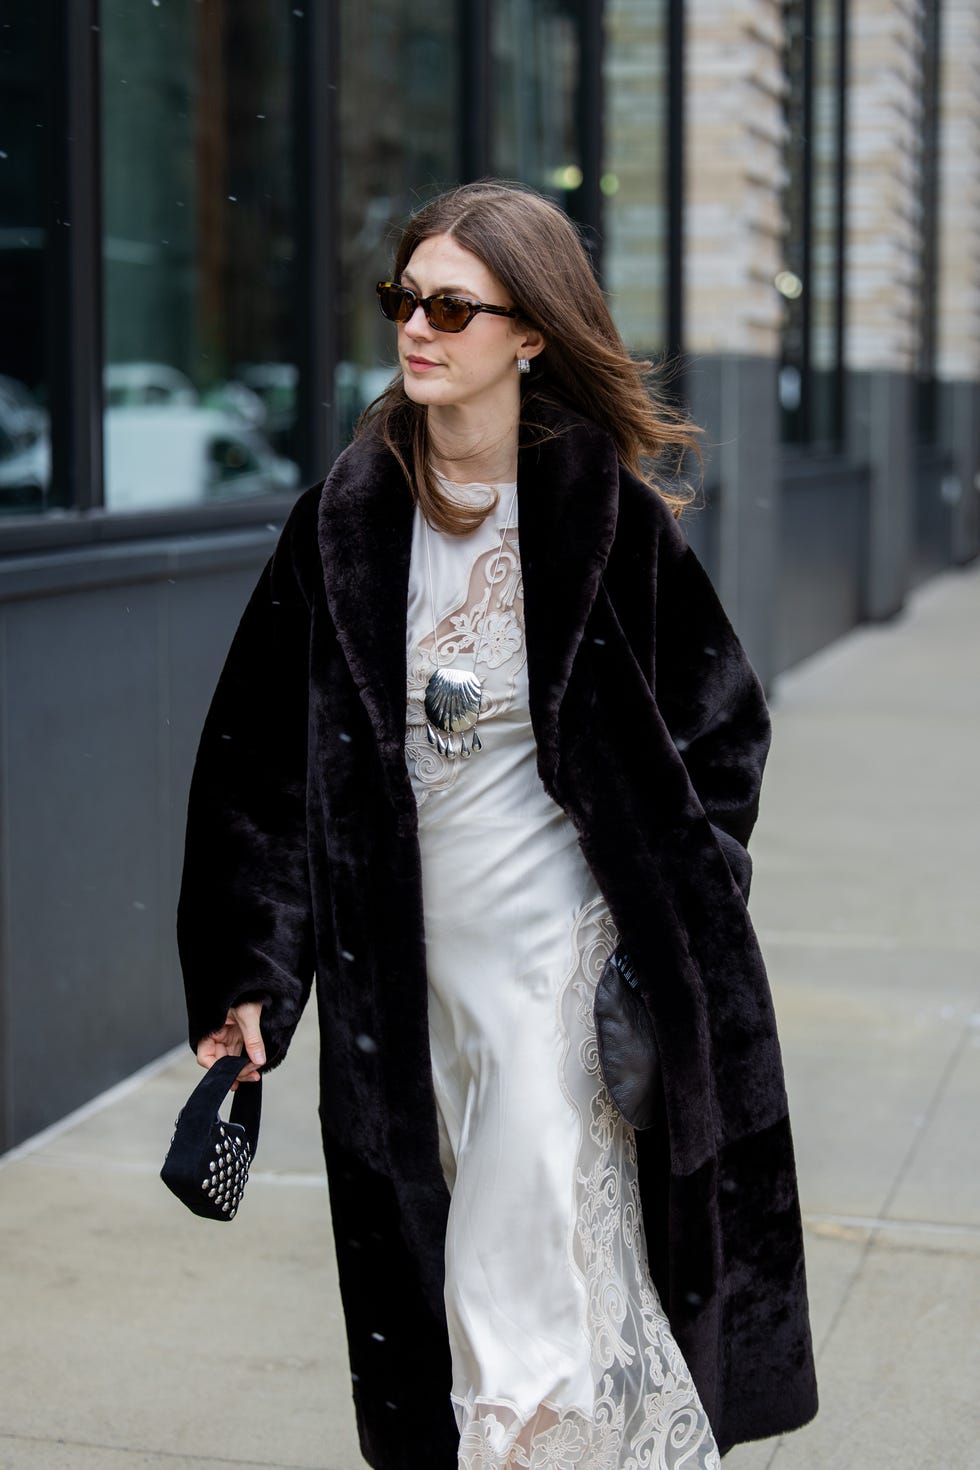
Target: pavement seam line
x: 932, y: 1108
x: 128, y: 1449
x: 879, y: 1222
x: 103, y: 1164
x: 94, y: 1105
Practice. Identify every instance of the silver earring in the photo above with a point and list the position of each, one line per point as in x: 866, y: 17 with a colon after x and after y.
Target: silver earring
x: 523, y: 365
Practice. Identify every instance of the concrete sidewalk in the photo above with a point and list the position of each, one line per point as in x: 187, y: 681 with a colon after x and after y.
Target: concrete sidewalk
x: 135, y: 1335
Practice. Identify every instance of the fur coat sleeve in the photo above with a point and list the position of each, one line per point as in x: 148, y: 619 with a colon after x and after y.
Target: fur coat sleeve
x: 245, y: 915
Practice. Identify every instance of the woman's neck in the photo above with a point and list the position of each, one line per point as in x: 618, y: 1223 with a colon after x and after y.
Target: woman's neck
x: 466, y: 447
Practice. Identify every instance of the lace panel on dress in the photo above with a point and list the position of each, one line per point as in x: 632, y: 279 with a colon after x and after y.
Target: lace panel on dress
x: 483, y: 632
x: 645, y: 1414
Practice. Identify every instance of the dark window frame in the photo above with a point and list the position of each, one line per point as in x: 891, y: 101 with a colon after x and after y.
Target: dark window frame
x: 75, y: 307
x: 75, y: 325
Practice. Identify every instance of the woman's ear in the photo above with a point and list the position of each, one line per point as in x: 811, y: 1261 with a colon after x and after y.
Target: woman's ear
x: 532, y: 342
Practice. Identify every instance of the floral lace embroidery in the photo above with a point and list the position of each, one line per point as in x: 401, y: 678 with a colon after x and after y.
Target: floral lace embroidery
x: 646, y: 1414
x: 496, y: 640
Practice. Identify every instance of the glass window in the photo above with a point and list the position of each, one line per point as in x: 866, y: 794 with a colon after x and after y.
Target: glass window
x: 810, y: 278
x: 633, y: 181
x: 26, y: 67
x: 536, y: 65
x: 200, y: 283
x: 399, y: 122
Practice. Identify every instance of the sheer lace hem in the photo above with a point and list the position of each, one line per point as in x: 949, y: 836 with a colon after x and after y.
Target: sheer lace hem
x: 645, y: 1412
x: 494, y: 1436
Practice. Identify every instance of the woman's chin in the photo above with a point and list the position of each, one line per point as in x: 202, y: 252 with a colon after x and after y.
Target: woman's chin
x: 425, y: 392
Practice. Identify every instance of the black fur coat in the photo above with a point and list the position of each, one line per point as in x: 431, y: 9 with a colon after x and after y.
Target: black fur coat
x: 302, y: 856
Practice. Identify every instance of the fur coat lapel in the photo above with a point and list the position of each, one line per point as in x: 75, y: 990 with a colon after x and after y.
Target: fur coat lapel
x: 567, y: 485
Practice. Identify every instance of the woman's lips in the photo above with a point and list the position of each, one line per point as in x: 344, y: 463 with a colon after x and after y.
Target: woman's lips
x: 420, y: 364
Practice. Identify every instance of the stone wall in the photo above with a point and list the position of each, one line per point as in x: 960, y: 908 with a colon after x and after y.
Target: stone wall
x: 958, y: 347
x: 734, y: 172
x: 884, y: 155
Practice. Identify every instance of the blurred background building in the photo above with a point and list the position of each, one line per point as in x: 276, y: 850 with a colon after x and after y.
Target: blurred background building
x: 196, y: 199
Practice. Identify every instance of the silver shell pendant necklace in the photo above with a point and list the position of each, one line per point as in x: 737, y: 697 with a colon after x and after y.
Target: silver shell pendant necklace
x: 454, y: 697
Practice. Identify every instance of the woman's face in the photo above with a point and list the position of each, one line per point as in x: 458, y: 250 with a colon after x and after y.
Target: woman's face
x: 477, y: 365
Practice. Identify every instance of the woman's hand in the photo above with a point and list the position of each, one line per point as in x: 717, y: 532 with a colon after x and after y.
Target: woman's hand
x: 241, y: 1032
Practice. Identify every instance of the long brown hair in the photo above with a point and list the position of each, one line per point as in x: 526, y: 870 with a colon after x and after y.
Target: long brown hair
x: 534, y: 251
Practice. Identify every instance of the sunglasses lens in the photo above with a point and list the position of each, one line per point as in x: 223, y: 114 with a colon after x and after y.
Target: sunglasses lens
x: 449, y: 313
x: 397, y: 303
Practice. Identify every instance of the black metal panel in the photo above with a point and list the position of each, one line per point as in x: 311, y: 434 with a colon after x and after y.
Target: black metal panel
x: 83, y: 817
x: 958, y: 414
x: 734, y: 397
x: 881, y: 433
x: 104, y: 683
x: 820, y: 592
x: 937, y: 490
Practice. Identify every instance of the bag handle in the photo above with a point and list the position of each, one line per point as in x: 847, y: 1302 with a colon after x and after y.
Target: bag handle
x: 210, y: 1092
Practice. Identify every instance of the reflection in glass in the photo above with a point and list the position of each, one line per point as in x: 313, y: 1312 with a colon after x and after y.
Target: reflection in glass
x: 634, y: 181
x: 25, y: 189
x: 811, y: 210
x: 199, y: 244
x: 536, y: 74
x: 399, y: 123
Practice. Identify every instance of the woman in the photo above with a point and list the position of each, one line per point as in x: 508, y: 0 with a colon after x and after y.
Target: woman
x: 483, y: 718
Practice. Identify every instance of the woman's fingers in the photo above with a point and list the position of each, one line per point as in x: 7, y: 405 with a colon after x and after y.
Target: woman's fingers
x: 247, y: 1018
x: 241, y: 1033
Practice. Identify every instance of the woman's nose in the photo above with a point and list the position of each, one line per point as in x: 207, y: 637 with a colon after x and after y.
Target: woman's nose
x: 417, y: 324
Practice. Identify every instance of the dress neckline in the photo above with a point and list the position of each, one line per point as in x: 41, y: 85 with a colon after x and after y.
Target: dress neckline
x: 478, y: 494
x: 455, y: 485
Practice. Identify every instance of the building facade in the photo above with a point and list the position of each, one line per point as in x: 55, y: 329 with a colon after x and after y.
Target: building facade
x: 781, y: 198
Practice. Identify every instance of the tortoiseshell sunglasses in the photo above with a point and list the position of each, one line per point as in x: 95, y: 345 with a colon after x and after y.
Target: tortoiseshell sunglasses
x: 445, y: 313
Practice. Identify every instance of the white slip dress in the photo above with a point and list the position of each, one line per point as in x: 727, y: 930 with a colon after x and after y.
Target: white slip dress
x: 562, y: 1356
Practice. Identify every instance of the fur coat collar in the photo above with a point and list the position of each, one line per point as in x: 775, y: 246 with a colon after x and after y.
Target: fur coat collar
x: 568, y: 495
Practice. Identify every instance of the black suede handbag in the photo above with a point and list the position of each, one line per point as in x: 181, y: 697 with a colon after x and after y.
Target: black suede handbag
x: 628, y: 1055
x: 208, y: 1160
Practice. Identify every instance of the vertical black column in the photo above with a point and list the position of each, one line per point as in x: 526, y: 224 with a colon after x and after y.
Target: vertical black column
x: 74, y: 228
x: 475, y: 89
x: 317, y: 151
x: 840, y: 230
x: 591, y: 116
x: 674, y: 312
